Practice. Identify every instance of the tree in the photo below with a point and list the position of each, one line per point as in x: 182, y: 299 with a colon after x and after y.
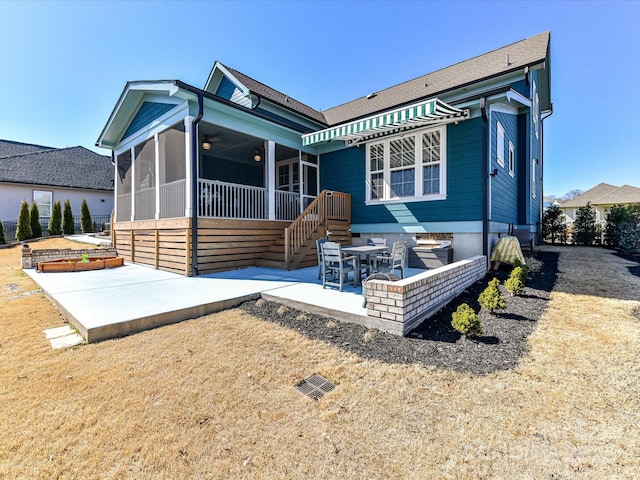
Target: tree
x: 36, y: 227
x: 55, y: 221
x: 466, y: 321
x: 570, y: 195
x: 68, y: 225
x: 85, y: 219
x: 584, y: 226
x: 553, y: 225
x: 622, y: 229
x: 491, y: 297
x: 2, y: 239
x: 23, y: 231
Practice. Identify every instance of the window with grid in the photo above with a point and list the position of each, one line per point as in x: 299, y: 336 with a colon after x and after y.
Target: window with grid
x: 409, y: 167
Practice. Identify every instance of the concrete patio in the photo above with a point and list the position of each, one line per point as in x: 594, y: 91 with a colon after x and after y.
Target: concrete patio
x: 110, y: 303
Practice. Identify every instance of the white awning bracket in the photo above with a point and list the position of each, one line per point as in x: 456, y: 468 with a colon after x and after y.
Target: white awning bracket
x: 430, y: 113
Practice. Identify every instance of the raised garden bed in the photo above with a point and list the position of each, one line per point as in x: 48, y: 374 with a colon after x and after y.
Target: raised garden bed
x: 78, y: 265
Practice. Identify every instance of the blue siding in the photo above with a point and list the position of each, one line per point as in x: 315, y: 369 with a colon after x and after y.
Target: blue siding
x: 522, y: 88
x: 524, y: 169
x: 226, y: 88
x: 504, y: 188
x: 147, y: 113
x: 345, y: 171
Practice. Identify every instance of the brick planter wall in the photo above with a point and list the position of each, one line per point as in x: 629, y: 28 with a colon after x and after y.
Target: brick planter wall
x: 32, y: 257
x: 399, y: 307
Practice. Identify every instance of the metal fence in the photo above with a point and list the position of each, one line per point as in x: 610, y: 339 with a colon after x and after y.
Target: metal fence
x: 98, y: 222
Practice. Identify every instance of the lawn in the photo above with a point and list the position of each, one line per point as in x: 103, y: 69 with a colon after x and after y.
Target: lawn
x: 214, y: 397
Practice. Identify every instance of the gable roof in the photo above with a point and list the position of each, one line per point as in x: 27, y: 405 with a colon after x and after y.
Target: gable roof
x: 605, y: 194
x: 74, y: 167
x: 512, y: 58
x: 9, y: 148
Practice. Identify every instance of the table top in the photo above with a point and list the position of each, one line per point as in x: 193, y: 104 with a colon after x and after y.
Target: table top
x: 364, y: 249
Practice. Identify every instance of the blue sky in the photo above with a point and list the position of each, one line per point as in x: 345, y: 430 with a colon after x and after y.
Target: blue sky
x: 64, y: 64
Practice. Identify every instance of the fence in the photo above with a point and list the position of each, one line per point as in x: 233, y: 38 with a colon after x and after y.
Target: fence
x: 10, y: 226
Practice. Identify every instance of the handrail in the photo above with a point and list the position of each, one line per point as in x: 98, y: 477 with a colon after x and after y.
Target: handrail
x: 326, y: 206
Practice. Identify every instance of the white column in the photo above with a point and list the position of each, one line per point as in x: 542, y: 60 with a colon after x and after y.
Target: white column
x: 271, y: 178
x: 188, y: 128
x: 157, y: 175
x: 133, y: 183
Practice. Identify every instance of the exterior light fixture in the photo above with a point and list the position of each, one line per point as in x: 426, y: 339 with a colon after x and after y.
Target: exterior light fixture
x: 256, y: 156
x: 206, y: 145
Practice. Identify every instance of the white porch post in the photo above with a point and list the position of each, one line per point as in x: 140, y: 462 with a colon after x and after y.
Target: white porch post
x: 188, y: 128
x: 133, y: 183
x: 271, y: 178
x: 156, y: 187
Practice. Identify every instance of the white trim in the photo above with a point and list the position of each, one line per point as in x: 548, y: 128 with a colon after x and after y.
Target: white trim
x: 499, y: 143
x: 512, y: 159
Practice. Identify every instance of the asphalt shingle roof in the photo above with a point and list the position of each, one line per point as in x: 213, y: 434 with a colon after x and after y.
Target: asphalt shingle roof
x: 605, y: 194
x: 9, y: 148
x: 74, y: 167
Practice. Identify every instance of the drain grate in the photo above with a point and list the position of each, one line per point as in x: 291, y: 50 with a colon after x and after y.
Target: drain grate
x: 315, y: 387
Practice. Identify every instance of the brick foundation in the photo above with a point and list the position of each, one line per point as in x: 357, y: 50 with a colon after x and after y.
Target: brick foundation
x: 399, y: 307
x: 30, y: 258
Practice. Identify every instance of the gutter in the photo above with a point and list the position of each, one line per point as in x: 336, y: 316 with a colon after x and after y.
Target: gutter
x: 485, y: 178
x: 194, y: 186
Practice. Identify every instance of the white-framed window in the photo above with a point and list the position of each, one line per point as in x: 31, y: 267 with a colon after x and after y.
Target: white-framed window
x: 512, y: 159
x: 500, y: 144
x: 409, y: 167
x: 534, y: 162
x: 536, y: 108
x: 44, y: 200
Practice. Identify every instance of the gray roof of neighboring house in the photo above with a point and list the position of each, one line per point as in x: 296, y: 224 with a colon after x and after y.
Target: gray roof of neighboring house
x: 277, y: 97
x: 9, y: 148
x: 74, y: 167
x: 605, y: 194
x: 528, y: 52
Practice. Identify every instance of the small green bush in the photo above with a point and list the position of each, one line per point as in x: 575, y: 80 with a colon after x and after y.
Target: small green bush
x: 68, y: 225
x: 2, y: 238
x: 491, y: 298
x: 23, y: 230
x: 36, y: 227
x: 55, y: 221
x: 85, y: 218
x: 466, y: 321
x: 515, y: 283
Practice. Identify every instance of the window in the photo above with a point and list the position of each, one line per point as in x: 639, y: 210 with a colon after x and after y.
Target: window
x: 500, y: 144
x: 536, y: 108
x: 534, y: 161
x: 408, y: 167
x: 43, y: 200
x: 512, y: 160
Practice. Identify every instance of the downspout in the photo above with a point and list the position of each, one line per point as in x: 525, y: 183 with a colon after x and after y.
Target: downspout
x: 194, y: 186
x: 485, y: 177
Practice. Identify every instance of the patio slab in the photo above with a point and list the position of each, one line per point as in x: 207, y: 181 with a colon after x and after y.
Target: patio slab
x: 110, y: 303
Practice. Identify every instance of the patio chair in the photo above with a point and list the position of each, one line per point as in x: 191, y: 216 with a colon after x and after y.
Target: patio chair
x: 319, y: 244
x: 336, y: 267
x: 378, y: 242
x: 396, y: 260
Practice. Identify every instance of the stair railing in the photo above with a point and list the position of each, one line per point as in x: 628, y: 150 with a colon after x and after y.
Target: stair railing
x: 328, y: 205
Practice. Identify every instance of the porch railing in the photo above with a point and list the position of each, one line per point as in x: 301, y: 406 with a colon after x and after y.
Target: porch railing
x: 172, y: 199
x: 327, y: 206
x: 230, y: 200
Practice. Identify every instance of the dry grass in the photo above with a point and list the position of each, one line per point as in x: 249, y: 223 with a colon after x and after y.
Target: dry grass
x: 214, y: 397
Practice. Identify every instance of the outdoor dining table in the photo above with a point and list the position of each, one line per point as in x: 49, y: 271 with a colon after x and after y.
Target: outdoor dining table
x: 367, y: 250
x: 507, y: 250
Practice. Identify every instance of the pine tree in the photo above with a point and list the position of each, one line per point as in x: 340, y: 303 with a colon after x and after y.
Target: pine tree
x: 554, y: 227
x: 491, y: 298
x: 68, y: 225
x: 85, y: 219
x: 584, y: 226
x: 466, y: 321
x: 23, y: 231
x: 36, y: 227
x: 2, y: 239
x: 55, y: 221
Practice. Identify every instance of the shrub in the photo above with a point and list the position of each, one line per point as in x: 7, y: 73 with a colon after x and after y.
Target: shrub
x: 622, y: 229
x: 55, y: 221
x: 515, y: 283
x: 584, y: 226
x: 68, y: 226
x: 554, y: 227
x: 36, y: 228
x: 465, y: 320
x: 491, y: 298
x: 2, y: 239
x: 85, y: 219
x: 23, y: 230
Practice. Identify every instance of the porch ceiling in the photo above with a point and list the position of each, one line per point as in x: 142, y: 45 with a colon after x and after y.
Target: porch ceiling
x: 430, y: 113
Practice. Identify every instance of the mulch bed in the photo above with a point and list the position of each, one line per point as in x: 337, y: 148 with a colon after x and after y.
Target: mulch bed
x: 435, y: 342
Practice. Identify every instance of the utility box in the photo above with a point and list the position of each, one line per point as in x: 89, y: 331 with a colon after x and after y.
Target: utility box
x: 430, y: 254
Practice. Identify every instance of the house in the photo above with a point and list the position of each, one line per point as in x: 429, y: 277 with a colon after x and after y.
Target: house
x: 601, y: 197
x: 238, y: 174
x: 44, y: 175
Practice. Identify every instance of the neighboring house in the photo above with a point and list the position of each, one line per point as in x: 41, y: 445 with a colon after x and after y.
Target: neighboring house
x: 219, y: 178
x: 601, y: 197
x: 43, y: 175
